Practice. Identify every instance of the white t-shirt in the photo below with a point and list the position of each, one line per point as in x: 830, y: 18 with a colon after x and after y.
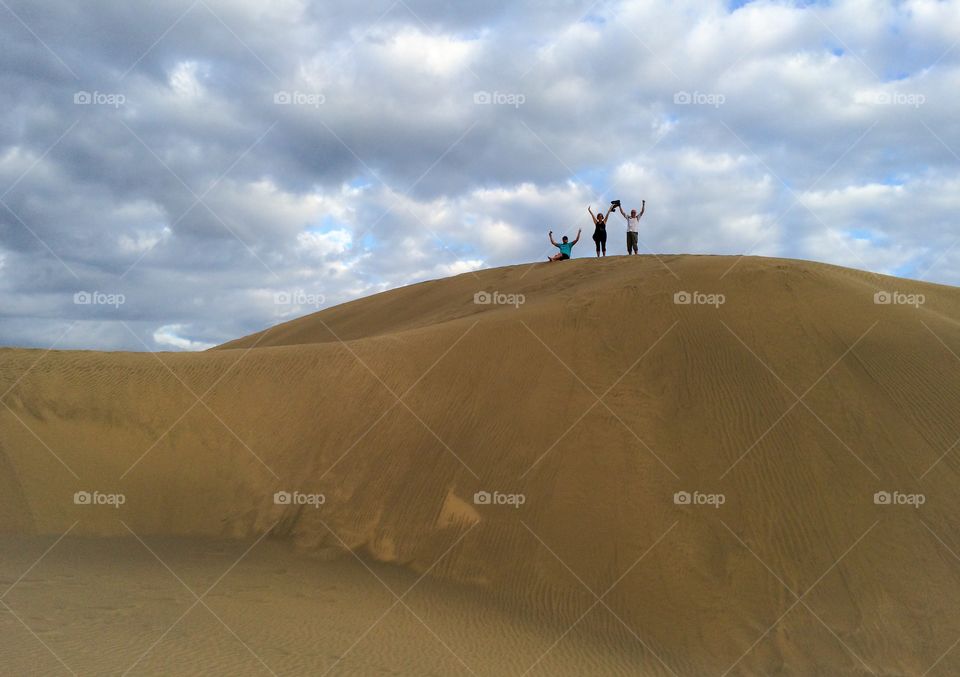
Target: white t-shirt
x: 633, y: 224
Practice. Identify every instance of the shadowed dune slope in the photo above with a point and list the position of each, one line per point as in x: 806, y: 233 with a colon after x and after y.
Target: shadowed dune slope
x: 597, y: 399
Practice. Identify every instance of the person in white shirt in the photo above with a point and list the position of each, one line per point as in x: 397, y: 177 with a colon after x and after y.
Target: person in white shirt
x: 633, y: 227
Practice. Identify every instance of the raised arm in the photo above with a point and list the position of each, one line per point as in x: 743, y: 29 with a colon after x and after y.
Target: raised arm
x: 579, y: 230
x: 622, y: 213
x: 551, y: 239
x: 643, y: 208
x: 609, y: 211
x: 592, y: 217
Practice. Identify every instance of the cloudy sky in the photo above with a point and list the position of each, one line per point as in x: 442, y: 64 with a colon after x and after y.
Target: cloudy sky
x: 198, y: 170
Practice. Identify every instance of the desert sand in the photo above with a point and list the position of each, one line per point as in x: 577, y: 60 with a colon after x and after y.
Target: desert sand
x: 761, y: 481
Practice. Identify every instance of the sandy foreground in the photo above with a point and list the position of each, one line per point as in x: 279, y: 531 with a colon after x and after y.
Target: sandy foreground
x: 115, y: 606
x: 680, y: 465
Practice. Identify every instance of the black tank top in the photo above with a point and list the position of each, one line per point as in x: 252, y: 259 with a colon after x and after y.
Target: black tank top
x: 600, y: 227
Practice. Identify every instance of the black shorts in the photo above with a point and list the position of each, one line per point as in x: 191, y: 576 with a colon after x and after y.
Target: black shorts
x: 564, y: 257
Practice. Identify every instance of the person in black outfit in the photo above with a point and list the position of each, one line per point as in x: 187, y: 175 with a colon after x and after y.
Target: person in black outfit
x: 600, y: 230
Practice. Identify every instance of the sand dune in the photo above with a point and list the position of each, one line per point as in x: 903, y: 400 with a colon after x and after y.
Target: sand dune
x: 584, y: 409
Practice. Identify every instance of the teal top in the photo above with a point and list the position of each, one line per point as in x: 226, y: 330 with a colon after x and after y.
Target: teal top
x: 565, y: 247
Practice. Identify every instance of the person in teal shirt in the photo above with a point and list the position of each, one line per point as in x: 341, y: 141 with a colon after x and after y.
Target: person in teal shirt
x: 565, y: 247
